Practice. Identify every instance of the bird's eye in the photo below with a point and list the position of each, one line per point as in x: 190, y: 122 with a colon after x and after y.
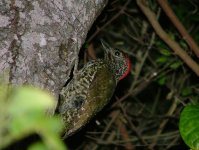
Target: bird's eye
x: 117, y: 53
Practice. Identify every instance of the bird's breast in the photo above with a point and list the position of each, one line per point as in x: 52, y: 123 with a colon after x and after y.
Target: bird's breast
x: 86, y: 94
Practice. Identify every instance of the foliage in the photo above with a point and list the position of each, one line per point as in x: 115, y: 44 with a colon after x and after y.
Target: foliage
x: 23, y: 112
x: 189, y: 126
x: 149, y: 101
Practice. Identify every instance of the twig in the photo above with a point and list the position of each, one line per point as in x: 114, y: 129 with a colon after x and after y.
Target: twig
x: 135, y: 129
x: 91, y: 51
x: 108, y: 22
x: 163, y: 123
x: 107, y: 128
x: 125, y: 136
x: 169, y: 12
x: 123, y: 132
x: 173, y: 142
x: 164, y: 36
x: 134, y: 139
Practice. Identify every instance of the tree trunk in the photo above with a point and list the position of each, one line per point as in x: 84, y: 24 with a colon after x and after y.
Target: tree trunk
x: 40, y: 40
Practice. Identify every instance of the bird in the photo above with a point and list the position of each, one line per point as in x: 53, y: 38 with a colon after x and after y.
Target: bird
x: 91, y: 88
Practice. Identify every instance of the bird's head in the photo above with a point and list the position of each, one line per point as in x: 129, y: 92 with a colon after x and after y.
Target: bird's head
x: 117, y: 60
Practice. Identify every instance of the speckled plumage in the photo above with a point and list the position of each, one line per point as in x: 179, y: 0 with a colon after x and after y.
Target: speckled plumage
x: 91, y: 88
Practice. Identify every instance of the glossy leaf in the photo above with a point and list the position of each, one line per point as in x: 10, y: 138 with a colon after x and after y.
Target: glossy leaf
x: 189, y: 126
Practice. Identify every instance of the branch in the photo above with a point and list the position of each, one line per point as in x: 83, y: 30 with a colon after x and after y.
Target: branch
x: 164, y: 36
x: 108, y: 22
x: 169, y: 12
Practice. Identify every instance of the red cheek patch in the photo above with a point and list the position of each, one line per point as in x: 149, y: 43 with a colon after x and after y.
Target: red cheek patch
x: 129, y: 65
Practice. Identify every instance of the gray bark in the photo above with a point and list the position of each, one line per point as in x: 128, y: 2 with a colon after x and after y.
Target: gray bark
x: 40, y: 39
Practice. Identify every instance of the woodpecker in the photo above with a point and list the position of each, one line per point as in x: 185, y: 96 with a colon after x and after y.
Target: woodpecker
x: 91, y: 88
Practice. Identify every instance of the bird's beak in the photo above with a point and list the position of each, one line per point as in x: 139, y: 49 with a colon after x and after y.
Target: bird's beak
x: 106, y: 47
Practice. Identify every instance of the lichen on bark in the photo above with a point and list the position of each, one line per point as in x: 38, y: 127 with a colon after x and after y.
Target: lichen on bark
x: 31, y: 34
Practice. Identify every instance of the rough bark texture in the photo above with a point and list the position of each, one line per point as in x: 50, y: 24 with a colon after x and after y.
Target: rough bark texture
x: 40, y: 39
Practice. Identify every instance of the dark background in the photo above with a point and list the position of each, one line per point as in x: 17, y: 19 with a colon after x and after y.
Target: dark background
x: 146, y: 106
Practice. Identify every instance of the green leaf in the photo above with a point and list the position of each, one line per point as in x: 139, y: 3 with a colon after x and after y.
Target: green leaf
x: 26, y: 111
x: 186, y: 91
x: 162, y: 80
x: 162, y: 59
x: 27, y: 99
x: 175, y: 65
x: 38, y: 146
x: 171, y: 35
x: 165, y: 52
x: 183, y: 44
x: 160, y: 44
x: 189, y: 126
x: 53, y: 142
